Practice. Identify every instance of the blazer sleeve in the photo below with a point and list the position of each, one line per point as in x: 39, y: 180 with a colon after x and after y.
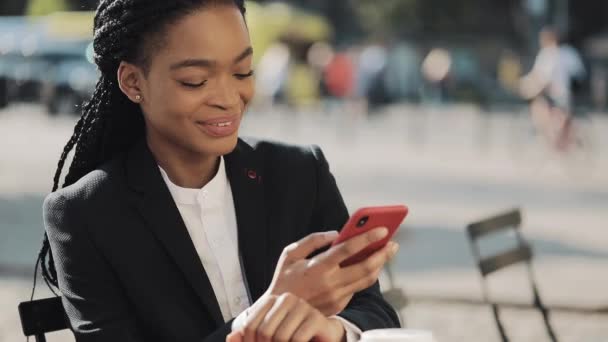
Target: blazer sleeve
x: 92, y: 298
x: 368, y: 309
x: 96, y: 307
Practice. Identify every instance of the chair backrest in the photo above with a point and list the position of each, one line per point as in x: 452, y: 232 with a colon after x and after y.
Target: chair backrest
x: 42, y: 316
x: 510, y: 220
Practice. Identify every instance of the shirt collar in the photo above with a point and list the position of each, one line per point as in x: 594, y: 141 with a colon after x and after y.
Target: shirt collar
x: 210, y: 195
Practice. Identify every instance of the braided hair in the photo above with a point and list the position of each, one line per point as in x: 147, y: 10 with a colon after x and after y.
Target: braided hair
x: 124, y: 30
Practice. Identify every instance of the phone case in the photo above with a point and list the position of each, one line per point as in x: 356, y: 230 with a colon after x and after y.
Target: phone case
x: 366, y: 219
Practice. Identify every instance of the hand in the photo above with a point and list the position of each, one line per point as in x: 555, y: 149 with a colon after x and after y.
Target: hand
x: 321, y: 281
x: 287, y: 318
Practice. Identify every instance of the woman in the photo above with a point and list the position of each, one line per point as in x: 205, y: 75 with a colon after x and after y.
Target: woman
x: 171, y: 228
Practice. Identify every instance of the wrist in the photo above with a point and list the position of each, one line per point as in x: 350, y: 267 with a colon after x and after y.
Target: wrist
x: 338, y: 329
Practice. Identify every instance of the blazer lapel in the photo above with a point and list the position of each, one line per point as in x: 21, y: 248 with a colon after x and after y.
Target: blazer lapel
x: 245, y: 173
x: 163, y: 218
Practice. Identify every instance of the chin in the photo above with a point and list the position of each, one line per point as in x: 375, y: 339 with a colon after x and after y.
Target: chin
x: 219, y: 147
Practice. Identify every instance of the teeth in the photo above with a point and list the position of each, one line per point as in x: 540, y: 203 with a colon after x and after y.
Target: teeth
x: 222, y: 124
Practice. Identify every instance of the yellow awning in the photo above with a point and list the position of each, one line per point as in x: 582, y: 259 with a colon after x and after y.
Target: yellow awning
x: 70, y: 25
x: 268, y: 23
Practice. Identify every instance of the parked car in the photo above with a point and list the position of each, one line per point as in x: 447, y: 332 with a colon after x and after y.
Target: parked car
x: 7, y: 87
x: 12, y: 31
x: 27, y: 77
x: 72, y: 83
x: 44, y: 61
x: 58, y: 74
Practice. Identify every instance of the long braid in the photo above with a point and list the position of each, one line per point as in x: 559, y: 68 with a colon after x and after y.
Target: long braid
x: 124, y: 30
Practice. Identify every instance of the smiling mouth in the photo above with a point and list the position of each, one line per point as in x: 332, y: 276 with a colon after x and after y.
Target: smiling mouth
x: 220, y: 127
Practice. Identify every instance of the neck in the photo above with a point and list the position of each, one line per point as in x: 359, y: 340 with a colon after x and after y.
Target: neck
x: 186, y: 169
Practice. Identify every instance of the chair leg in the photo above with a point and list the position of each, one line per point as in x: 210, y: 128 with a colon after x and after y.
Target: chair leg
x: 40, y: 338
x: 501, y: 328
x: 539, y: 304
x: 391, y: 281
x: 543, y: 310
x: 486, y: 295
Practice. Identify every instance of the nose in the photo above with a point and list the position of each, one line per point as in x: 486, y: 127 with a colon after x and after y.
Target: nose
x: 225, y: 96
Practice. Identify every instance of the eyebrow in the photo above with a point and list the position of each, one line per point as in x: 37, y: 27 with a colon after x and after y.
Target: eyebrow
x: 248, y: 52
x: 206, y: 63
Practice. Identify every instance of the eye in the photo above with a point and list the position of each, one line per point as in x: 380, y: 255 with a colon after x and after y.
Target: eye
x: 193, y: 85
x: 244, y: 76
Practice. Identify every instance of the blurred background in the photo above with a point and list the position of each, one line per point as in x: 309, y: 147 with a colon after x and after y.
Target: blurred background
x: 431, y: 103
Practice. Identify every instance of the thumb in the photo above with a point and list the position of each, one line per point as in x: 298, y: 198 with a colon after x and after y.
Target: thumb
x: 234, y: 337
x: 305, y: 246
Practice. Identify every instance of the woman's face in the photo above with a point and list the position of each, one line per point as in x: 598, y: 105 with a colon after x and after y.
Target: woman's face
x: 199, y: 83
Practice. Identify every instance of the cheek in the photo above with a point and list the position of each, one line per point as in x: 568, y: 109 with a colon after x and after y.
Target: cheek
x: 174, y: 102
x: 180, y: 101
x: 169, y: 108
x: 247, y: 90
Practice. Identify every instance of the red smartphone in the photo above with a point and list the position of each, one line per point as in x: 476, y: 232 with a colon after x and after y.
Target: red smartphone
x: 366, y: 219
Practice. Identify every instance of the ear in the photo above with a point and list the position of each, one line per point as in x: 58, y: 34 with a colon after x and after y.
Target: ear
x: 130, y: 78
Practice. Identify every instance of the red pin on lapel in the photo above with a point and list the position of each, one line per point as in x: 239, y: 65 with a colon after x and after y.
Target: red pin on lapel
x: 253, y: 175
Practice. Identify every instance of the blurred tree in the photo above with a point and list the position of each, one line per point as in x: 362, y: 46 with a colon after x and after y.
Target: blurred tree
x: 82, y: 5
x: 382, y: 18
x: 588, y: 18
x: 44, y: 7
x: 12, y: 7
x: 340, y: 13
x: 436, y: 16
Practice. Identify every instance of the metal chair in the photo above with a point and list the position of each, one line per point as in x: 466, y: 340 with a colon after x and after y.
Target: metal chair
x: 395, y: 295
x: 42, y: 316
x: 490, y: 264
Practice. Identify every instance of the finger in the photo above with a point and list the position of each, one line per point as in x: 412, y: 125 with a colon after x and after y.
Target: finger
x: 282, y: 306
x: 375, y: 262
x: 292, y: 321
x: 305, y: 246
x: 234, y: 337
x: 311, y: 326
x: 255, y: 318
x: 335, y: 255
x: 364, y: 282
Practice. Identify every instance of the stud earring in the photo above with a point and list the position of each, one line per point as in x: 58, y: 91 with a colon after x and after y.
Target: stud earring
x: 138, y: 97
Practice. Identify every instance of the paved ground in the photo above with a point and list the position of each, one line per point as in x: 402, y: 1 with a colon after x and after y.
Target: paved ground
x: 450, y: 166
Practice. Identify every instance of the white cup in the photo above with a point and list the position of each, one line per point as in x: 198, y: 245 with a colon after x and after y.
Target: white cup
x: 397, y: 335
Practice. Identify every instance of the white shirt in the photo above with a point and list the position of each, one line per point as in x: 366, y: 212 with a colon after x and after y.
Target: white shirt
x: 210, y: 218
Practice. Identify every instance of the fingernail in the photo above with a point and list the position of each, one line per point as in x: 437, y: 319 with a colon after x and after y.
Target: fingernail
x: 332, y: 234
x: 394, y: 248
x: 380, y: 233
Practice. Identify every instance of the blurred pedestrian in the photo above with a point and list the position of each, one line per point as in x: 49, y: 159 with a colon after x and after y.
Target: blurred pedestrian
x: 271, y: 73
x: 340, y: 76
x: 436, y: 68
x: 550, y: 86
x: 402, y: 79
x: 372, y: 61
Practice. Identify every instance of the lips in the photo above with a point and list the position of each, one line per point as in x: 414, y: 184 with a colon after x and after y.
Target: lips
x: 221, y: 126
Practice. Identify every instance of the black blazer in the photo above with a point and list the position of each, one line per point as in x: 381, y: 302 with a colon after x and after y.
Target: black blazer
x: 129, y: 271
